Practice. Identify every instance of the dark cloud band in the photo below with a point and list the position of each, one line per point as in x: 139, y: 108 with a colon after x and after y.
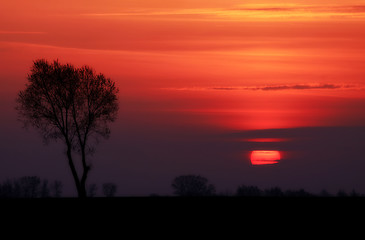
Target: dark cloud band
x: 285, y: 87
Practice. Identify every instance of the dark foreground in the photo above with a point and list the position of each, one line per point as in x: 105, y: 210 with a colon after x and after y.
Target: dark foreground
x: 183, y: 213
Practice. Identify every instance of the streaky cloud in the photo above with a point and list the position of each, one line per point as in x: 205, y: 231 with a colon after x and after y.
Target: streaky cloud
x: 302, y: 86
x: 299, y: 7
x: 286, y: 87
x: 247, y: 12
x: 270, y: 88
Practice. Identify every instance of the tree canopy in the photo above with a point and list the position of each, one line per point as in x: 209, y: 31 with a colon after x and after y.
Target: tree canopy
x: 192, y: 185
x: 71, y: 104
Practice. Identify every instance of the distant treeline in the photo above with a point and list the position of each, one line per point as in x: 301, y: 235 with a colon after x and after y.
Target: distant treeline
x: 30, y: 187
x: 183, y: 186
x: 254, y: 191
x: 196, y: 185
x: 35, y: 187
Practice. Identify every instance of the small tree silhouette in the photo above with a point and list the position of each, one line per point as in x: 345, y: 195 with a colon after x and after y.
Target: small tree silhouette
x: 192, y: 185
x: 341, y: 193
x: 274, y: 192
x: 297, y: 193
x: 109, y: 189
x: 71, y: 104
x: 92, y: 189
x: 324, y: 193
x: 354, y: 193
x: 56, y: 189
x: 248, y: 191
x: 7, y: 189
x: 29, y: 186
x: 44, y: 193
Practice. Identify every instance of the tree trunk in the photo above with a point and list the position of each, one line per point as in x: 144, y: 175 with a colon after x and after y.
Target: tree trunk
x: 80, y: 192
x: 86, y: 169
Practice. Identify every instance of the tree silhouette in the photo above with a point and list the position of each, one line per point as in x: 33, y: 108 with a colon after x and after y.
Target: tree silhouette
x: 324, y: 193
x: 109, y: 189
x: 56, y: 189
x: 297, y: 193
x: 341, y: 193
x: 29, y: 186
x: 274, y: 192
x: 248, y: 191
x: 192, y: 185
x: 7, y: 189
x: 92, y: 189
x: 44, y: 193
x: 354, y: 194
x: 72, y: 104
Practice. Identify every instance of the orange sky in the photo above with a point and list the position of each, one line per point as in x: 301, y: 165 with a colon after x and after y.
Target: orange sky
x: 261, y: 64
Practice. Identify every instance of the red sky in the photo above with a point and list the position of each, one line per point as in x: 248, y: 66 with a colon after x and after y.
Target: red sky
x: 190, y: 72
x: 225, y: 64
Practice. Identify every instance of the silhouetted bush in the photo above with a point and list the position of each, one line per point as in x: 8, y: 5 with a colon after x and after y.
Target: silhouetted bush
x: 324, y: 193
x: 248, y: 191
x: 298, y: 193
x: 341, y: 193
x: 56, y: 189
x: 274, y: 192
x: 192, y: 185
x: 354, y: 194
x: 29, y: 186
x: 109, y: 189
x: 8, y: 190
x: 92, y: 190
x: 45, y: 192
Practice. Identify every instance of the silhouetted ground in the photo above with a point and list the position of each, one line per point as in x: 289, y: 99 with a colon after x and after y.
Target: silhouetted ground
x: 189, y: 208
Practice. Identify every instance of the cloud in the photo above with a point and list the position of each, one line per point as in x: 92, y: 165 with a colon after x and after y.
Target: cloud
x: 247, y: 12
x: 286, y: 87
x: 228, y: 88
x: 301, y: 87
x: 264, y: 7
x: 269, y: 88
x: 300, y: 7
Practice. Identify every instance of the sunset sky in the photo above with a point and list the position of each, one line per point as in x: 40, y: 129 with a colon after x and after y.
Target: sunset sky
x: 185, y: 67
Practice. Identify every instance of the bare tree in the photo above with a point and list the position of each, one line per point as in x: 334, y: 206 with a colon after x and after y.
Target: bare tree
x: 7, y: 189
x: 248, y: 191
x: 92, y: 189
x: 56, y: 189
x: 29, y: 186
x: 109, y: 189
x: 192, y: 185
x: 72, y: 104
x: 44, y: 193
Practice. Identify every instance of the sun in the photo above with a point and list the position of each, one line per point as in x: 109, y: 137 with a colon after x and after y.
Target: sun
x: 263, y: 157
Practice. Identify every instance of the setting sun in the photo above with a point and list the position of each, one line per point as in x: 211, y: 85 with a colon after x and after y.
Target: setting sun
x: 265, y: 157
